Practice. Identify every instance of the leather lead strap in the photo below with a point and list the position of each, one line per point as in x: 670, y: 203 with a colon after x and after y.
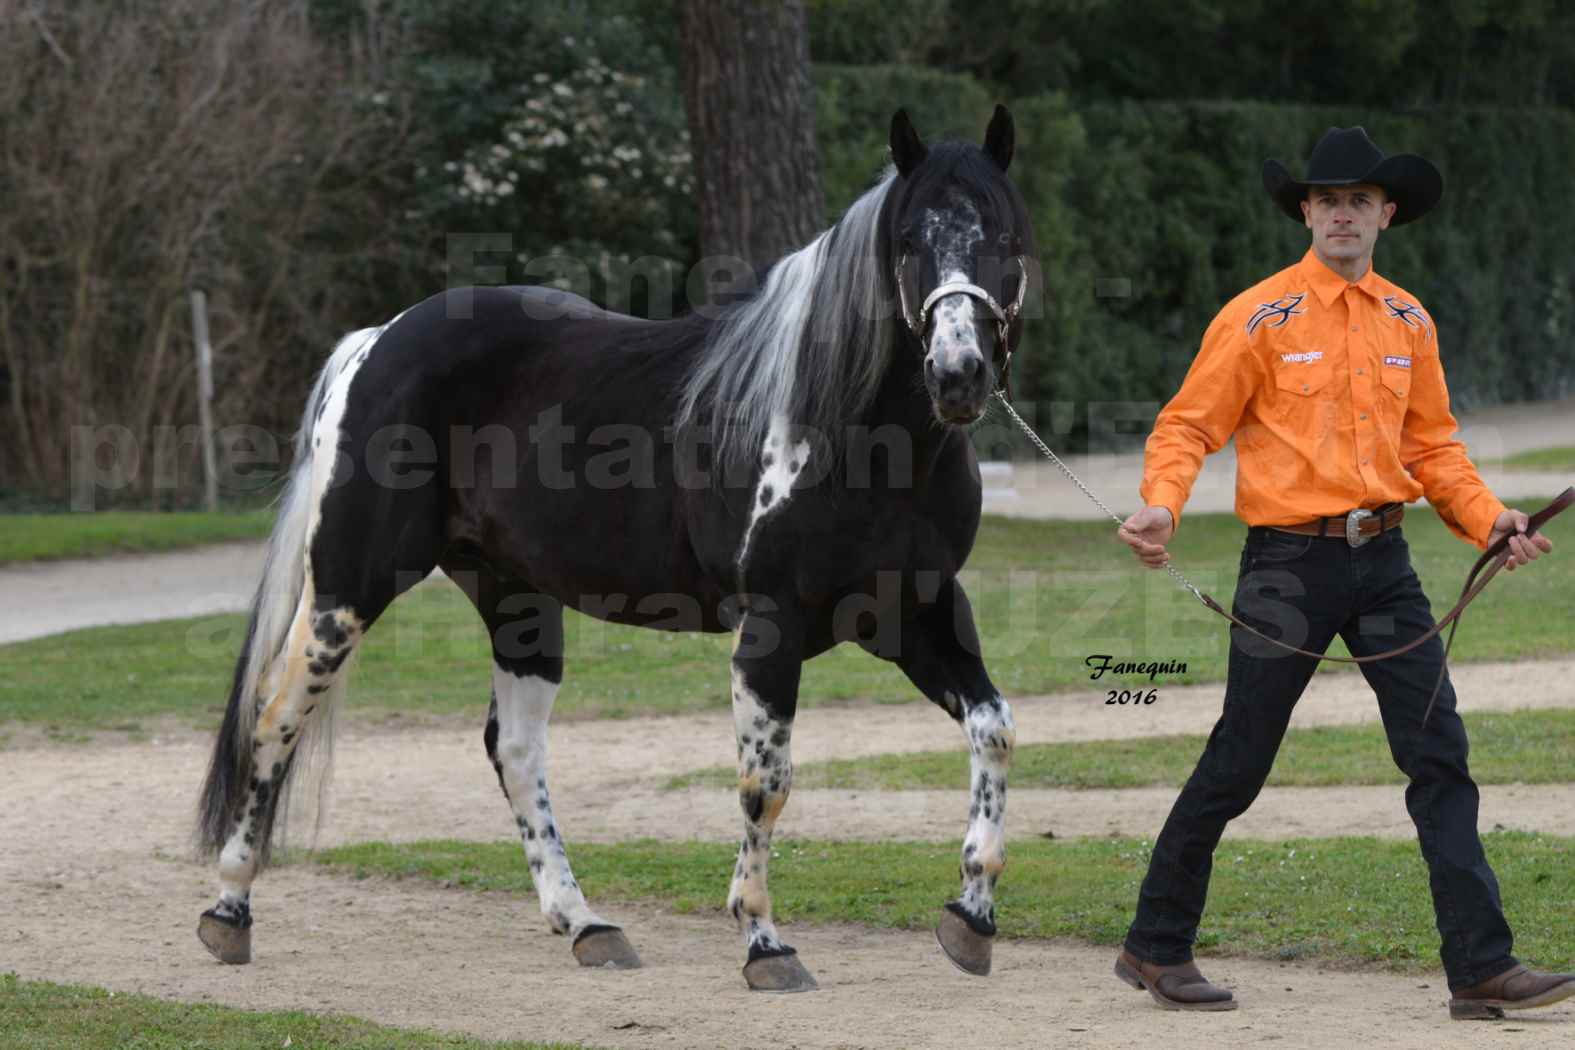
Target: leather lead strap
x: 1492, y: 559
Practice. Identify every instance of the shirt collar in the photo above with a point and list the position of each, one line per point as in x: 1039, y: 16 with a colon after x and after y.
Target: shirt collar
x: 1330, y: 285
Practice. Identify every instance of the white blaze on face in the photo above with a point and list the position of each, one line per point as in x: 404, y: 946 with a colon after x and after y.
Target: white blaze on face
x: 780, y: 465
x: 951, y: 238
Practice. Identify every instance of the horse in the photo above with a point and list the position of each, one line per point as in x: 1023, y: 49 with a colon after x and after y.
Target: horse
x: 788, y: 467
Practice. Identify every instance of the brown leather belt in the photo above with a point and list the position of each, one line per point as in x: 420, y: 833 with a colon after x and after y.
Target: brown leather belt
x: 1356, y: 528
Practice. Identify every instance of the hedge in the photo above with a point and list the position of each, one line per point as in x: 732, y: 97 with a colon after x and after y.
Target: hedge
x: 1150, y: 216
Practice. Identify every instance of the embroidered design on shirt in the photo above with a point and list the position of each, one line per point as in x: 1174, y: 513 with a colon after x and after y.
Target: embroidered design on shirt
x: 1410, y: 313
x: 1308, y: 356
x: 1277, y: 312
x: 1398, y: 362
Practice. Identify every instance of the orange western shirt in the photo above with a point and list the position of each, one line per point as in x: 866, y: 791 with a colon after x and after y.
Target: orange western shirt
x: 1335, y: 395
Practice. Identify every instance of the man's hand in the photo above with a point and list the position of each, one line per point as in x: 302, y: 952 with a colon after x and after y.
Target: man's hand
x: 1522, y: 548
x: 1147, y: 532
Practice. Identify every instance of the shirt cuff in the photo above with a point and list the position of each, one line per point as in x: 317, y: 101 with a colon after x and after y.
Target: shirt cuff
x: 1165, y: 494
x: 1477, y: 517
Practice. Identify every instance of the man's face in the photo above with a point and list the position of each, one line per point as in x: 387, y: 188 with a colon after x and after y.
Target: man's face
x: 1345, y: 220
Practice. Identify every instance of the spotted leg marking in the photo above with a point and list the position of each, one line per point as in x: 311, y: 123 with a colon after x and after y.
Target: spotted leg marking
x: 298, y: 681
x: 517, y: 745
x: 940, y: 653
x: 763, y: 726
x: 765, y: 776
x: 991, y: 736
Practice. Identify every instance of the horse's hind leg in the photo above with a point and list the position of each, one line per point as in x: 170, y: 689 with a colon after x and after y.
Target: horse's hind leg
x: 527, y: 643
x: 300, y: 678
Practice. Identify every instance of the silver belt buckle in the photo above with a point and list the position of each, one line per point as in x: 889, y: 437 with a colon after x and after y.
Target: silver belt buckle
x: 1353, y: 524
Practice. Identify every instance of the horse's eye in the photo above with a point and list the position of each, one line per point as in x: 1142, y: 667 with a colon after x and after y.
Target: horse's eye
x: 1005, y: 239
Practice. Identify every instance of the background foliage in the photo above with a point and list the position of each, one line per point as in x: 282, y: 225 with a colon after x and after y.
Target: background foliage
x: 318, y: 165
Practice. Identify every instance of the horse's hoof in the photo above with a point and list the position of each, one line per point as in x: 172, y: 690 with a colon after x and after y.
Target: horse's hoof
x: 968, y: 949
x: 605, y: 946
x: 227, y: 942
x: 778, y: 973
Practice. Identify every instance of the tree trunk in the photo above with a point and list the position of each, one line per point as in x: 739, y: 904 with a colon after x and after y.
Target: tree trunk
x: 751, y: 110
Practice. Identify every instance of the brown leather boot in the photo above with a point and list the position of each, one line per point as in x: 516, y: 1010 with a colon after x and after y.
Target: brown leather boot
x: 1180, y: 987
x: 1517, y: 988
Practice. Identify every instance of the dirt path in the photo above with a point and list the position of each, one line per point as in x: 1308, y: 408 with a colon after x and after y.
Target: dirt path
x: 417, y: 956
x: 96, y: 886
x: 50, y: 597
x: 607, y: 776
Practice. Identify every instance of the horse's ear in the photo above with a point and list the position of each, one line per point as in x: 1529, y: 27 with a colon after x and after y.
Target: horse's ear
x: 907, y: 151
x: 1000, y: 138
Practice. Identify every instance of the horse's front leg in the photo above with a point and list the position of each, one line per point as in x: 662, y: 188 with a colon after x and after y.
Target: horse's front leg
x: 767, y: 656
x: 940, y: 653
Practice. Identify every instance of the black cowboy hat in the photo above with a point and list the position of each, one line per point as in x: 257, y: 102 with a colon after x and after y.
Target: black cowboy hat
x: 1346, y: 157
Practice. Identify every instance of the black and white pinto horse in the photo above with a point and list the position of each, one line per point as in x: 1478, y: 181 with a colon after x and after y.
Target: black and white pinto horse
x: 791, y: 468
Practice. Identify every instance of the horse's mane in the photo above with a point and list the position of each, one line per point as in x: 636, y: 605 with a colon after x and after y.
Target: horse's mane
x: 811, y: 347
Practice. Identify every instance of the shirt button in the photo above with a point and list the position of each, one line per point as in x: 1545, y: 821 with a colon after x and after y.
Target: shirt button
x: 1358, y: 371
x: 1356, y: 328
x: 1362, y: 416
x: 1364, y: 462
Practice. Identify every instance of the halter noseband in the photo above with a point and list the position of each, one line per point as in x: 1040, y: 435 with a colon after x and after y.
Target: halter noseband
x: 1004, y: 316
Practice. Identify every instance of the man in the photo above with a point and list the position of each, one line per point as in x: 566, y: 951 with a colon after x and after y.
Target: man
x: 1329, y: 378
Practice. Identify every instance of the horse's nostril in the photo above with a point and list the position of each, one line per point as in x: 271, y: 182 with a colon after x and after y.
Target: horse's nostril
x: 974, y: 365
x: 929, y: 369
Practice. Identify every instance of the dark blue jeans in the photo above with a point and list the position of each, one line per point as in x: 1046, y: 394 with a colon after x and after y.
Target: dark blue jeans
x: 1305, y: 590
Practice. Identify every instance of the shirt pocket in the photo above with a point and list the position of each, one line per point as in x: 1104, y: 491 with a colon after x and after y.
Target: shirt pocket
x: 1394, y: 381
x: 1395, y: 375
x: 1302, y: 380
x: 1302, y: 376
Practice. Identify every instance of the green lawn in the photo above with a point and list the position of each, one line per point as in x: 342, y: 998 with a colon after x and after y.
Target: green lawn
x: 1339, y: 900
x: 38, y: 1015
x: 42, y: 537
x: 1540, y: 459
x: 1523, y: 747
x: 1047, y: 594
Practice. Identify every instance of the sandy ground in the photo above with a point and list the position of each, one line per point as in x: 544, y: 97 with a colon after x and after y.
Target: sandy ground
x: 483, y: 963
x: 49, y: 597
x: 98, y: 887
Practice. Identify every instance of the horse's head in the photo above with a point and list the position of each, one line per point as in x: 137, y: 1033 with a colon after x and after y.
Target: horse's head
x: 961, y: 248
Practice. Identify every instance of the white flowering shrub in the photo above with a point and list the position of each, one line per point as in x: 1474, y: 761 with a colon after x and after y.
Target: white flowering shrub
x: 591, y: 173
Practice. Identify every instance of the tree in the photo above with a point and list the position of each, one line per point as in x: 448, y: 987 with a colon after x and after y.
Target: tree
x: 751, y: 110
x: 147, y: 150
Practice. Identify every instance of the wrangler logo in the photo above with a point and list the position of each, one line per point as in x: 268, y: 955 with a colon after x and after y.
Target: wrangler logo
x: 1310, y: 355
x: 1398, y: 362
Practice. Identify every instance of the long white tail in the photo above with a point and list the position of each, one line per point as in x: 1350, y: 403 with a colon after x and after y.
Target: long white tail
x: 274, y: 606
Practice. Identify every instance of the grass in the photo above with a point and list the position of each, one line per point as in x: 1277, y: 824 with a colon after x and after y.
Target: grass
x: 1542, y: 459
x: 1046, y: 595
x: 1522, y: 747
x: 38, y: 1015
x: 1344, y: 900
x: 44, y: 537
